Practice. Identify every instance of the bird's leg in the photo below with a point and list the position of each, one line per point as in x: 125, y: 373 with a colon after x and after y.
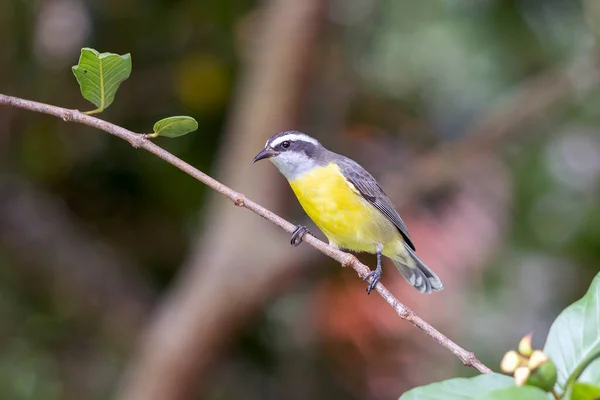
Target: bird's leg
x: 298, y: 234
x: 375, y: 275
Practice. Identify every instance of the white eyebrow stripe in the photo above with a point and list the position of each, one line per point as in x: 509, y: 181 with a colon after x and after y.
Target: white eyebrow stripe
x: 293, y: 137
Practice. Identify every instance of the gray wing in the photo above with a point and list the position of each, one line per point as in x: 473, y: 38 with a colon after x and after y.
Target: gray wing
x: 370, y: 190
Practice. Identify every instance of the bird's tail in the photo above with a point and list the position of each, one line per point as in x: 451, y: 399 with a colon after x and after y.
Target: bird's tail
x: 416, y: 272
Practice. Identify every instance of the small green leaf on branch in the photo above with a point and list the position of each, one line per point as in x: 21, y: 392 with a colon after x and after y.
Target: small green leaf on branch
x: 173, y: 127
x: 99, y: 76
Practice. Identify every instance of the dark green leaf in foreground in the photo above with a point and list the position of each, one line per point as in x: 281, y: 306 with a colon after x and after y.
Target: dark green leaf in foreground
x: 99, y: 76
x: 574, y: 338
x: 583, y: 391
x: 173, y: 127
x: 460, y: 388
x: 517, y: 393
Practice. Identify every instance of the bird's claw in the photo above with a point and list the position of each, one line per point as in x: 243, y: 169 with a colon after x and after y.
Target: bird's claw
x: 298, y: 234
x: 376, y: 276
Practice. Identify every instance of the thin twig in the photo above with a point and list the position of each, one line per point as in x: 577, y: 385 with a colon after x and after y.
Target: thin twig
x: 345, y: 259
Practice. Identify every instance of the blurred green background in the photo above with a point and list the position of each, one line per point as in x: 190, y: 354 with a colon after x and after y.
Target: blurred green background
x: 122, y: 277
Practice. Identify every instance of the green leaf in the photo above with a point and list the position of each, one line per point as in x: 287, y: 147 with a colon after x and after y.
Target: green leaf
x: 460, y: 388
x: 574, y: 338
x: 173, y: 127
x: 514, y: 393
x: 583, y: 391
x: 99, y: 76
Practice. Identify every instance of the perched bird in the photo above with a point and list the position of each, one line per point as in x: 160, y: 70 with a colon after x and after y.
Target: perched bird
x: 348, y: 205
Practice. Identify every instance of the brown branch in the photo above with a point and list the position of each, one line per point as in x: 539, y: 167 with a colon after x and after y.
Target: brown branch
x: 345, y: 259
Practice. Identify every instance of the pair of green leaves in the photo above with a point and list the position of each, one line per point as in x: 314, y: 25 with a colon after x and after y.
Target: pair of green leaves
x: 99, y: 76
x: 573, y: 345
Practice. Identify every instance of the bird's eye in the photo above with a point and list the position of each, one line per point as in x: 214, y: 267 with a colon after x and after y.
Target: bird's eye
x: 285, y: 144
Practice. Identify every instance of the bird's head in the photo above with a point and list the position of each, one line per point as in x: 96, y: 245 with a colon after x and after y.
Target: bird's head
x: 293, y: 153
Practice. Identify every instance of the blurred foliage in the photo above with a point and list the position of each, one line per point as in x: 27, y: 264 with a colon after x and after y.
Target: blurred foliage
x: 420, y: 72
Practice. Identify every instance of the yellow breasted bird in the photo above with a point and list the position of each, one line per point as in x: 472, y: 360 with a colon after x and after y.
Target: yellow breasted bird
x: 348, y: 205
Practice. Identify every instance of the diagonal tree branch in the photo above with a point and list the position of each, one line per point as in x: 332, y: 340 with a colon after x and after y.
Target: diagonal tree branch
x: 345, y: 259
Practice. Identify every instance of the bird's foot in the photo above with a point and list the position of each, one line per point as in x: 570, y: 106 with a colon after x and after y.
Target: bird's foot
x: 298, y: 234
x: 375, y: 277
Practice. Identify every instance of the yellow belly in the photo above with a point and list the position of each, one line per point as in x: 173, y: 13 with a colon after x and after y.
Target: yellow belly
x: 343, y: 215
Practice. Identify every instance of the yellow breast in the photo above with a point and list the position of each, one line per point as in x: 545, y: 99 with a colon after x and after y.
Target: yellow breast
x: 343, y: 215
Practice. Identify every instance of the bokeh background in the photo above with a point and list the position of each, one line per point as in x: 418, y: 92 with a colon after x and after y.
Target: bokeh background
x: 122, y: 277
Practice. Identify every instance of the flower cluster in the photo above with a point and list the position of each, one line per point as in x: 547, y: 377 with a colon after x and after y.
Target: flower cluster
x: 530, y: 367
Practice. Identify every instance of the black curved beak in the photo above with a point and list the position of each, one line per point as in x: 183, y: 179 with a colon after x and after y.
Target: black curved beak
x: 264, y: 153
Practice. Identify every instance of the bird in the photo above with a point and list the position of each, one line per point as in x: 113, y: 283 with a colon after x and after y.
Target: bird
x: 347, y: 205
